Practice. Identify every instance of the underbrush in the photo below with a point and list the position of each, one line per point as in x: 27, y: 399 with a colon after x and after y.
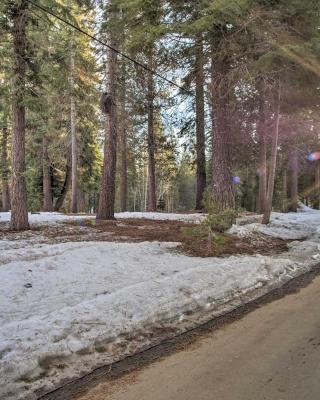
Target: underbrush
x: 209, y: 235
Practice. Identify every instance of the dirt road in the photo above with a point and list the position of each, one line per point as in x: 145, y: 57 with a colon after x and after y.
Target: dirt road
x: 272, y: 353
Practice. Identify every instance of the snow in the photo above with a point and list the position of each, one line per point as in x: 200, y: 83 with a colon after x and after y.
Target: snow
x: 43, y: 217
x: 67, y: 308
x: 162, y: 216
x: 55, y: 217
x: 303, y: 208
x: 290, y: 226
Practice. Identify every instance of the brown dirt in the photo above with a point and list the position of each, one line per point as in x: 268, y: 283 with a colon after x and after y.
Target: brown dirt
x: 193, y: 240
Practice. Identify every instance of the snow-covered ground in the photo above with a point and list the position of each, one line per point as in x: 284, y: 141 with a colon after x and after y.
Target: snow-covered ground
x: 291, y: 226
x: 46, y: 217
x: 67, y: 308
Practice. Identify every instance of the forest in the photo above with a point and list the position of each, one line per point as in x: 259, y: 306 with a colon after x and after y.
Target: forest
x: 144, y: 105
x: 159, y: 199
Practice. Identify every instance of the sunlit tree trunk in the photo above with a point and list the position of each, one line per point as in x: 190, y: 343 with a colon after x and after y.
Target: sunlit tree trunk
x: 293, y: 180
x: 200, y: 133
x: 19, y: 210
x: 123, y: 145
x: 284, y: 190
x: 107, y: 192
x: 152, y: 205
x: 273, y: 160
x: 74, y: 155
x: 262, y: 169
x: 223, y: 189
x: 317, y: 184
x: 65, y: 187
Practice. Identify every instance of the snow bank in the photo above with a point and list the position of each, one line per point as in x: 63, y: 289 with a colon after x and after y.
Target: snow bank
x: 44, y: 217
x: 54, y: 217
x: 162, y: 216
x: 303, y: 208
x: 290, y: 226
x: 68, y: 308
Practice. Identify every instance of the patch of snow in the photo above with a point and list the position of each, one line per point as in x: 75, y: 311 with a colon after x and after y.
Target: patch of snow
x: 162, y: 216
x: 303, y: 208
x: 290, y: 226
x: 55, y: 217
x: 45, y: 217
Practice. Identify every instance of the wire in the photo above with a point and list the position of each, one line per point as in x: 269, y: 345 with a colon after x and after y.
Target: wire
x: 109, y: 47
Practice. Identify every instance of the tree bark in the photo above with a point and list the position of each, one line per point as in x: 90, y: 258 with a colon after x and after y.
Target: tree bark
x: 293, y: 180
x: 123, y: 145
x: 262, y: 169
x: 223, y: 189
x: 5, y: 167
x: 200, y: 133
x: 81, y: 202
x: 273, y: 161
x: 152, y: 202
x: 74, y: 163
x: 19, y: 212
x: 46, y: 179
x: 284, y: 191
x: 317, y: 184
x: 65, y: 187
x: 107, y: 193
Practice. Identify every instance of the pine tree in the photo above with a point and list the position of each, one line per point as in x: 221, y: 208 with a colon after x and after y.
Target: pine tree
x: 74, y: 151
x: 108, y: 103
x: 19, y: 212
x: 200, y: 123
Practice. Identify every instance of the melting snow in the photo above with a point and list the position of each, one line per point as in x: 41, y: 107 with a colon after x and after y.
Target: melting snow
x: 46, y: 217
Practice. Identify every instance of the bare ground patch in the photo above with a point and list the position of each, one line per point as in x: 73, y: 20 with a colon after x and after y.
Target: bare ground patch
x: 193, y: 241
x: 191, y: 238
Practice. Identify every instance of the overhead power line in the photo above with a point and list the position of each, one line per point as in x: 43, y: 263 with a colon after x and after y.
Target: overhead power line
x: 145, y: 67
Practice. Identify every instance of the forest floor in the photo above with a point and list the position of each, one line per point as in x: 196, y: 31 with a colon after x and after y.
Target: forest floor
x: 192, y: 240
x: 76, y: 294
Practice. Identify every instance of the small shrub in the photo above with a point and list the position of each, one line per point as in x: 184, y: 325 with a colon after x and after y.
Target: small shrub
x: 211, y: 229
x: 217, y: 220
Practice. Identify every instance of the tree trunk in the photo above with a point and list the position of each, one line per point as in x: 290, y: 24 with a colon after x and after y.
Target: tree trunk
x: 123, y: 146
x: 5, y: 167
x: 293, y: 180
x: 223, y: 189
x: 19, y: 212
x: 81, y: 203
x: 65, y: 187
x: 262, y: 170
x: 152, y: 202
x: 46, y: 179
x: 273, y: 162
x: 200, y: 145
x: 317, y: 184
x: 284, y: 191
x: 74, y: 164
x: 253, y: 192
x: 107, y: 193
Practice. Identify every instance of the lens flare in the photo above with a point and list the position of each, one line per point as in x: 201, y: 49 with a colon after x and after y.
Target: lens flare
x: 236, y: 180
x: 313, y: 156
x: 261, y: 171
